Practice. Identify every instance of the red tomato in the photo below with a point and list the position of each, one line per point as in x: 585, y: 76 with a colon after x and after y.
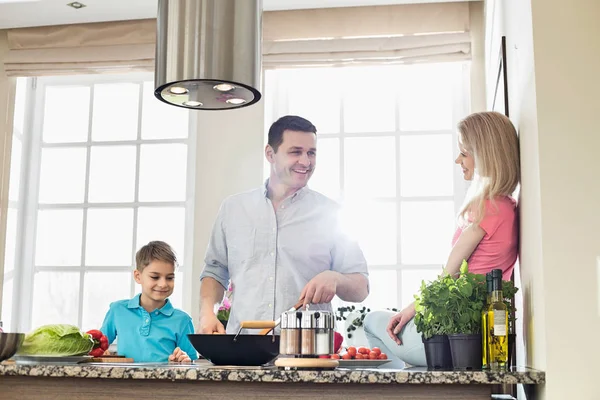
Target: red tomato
x: 352, y: 351
x: 373, y: 355
x: 382, y: 356
x: 363, y: 350
x: 347, y: 356
x: 323, y: 356
x: 359, y: 356
x: 335, y: 356
x: 376, y: 350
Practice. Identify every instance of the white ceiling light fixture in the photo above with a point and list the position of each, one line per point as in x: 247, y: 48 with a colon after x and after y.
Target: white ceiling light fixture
x: 208, y: 53
x: 76, y: 5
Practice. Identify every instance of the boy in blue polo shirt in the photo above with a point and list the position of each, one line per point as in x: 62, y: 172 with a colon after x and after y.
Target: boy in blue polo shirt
x: 148, y: 327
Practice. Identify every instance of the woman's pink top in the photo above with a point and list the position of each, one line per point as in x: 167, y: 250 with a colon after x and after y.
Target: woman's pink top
x: 499, y: 247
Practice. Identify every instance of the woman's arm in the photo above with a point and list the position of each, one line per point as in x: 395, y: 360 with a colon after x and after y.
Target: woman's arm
x: 465, y: 245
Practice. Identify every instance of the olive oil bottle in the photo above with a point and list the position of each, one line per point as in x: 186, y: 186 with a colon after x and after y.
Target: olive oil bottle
x: 484, y: 350
x: 497, y: 325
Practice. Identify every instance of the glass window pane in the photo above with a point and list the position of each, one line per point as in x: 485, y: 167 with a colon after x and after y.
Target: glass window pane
x: 62, y: 176
x: 99, y: 290
x: 426, y: 165
x: 370, y: 167
x: 374, y: 226
x: 58, y: 240
x: 426, y: 231
x: 115, y: 115
x: 112, y: 174
x: 163, y: 170
x: 411, y: 282
x: 11, y: 239
x: 7, y: 304
x: 426, y: 97
x: 370, y: 101
x: 165, y: 224
x: 326, y: 178
x: 160, y: 120
x: 109, y: 237
x: 55, y: 298
x: 15, y: 169
x: 177, y: 297
x: 383, y: 286
x: 314, y: 94
x: 66, y: 103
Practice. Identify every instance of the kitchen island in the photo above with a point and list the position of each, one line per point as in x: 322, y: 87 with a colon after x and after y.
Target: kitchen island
x: 203, y: 380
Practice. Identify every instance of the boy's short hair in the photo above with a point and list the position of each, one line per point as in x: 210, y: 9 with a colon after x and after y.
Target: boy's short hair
x: 154, y: 251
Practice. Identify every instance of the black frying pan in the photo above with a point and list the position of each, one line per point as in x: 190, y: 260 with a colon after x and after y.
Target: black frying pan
x: 238, y: 349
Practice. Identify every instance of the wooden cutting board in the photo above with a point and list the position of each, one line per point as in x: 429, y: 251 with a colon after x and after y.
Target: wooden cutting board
x: 112, y: 359
x: 291, y: 362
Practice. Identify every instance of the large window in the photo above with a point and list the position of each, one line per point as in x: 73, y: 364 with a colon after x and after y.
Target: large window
x: 386, y: 150
x: 99, y: 168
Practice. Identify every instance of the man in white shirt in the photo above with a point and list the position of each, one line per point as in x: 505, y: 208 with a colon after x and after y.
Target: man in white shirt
x: 282, y: 242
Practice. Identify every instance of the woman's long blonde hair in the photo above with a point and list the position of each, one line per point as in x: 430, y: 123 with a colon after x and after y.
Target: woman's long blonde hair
x: 492, y: 140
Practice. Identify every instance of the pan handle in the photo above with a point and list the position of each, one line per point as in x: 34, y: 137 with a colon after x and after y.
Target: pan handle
x: 257, y: 324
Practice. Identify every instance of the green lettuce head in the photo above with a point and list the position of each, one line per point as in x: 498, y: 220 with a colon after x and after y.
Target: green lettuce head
x: 57, y: 340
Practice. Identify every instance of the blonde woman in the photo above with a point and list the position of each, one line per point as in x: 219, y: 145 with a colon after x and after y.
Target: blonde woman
x: 487, y: 234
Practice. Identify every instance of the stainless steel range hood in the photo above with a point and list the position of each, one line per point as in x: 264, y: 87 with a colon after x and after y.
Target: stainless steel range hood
x: 208, y: 53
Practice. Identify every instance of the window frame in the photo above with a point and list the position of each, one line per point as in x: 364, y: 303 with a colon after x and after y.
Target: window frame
x: 28, y: 206
x: 277, y: 104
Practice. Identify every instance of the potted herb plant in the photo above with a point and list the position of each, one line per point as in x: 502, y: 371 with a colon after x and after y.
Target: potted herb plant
x: 466, y: 299
x: 432, y: 320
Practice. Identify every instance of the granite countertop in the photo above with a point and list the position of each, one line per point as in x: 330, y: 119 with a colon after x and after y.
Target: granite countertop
x: 204, y: 371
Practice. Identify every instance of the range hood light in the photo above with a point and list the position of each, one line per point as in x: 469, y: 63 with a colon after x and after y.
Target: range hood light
x: 236, y: 101
x: 224, y: 87
x: 208, y: 53
x: 178, y: 90
x: 192, y: 103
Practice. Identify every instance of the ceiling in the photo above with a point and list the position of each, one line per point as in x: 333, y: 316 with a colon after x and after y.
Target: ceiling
x: 23, y: 13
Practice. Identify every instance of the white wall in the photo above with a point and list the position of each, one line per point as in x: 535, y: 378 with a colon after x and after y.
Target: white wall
x: 7, y: 90
x: 523, y: 112
x: 566, y: 37
x: 554, y: 59
x: 229, y: 159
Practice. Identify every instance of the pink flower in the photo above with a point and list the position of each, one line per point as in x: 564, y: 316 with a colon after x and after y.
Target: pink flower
x: 226, y: 305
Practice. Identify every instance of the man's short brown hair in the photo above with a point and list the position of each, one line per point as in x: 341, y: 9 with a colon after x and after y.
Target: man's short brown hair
x: 154, y: 251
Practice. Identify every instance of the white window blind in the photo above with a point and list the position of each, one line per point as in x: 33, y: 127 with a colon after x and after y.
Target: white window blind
x: 331, y: 36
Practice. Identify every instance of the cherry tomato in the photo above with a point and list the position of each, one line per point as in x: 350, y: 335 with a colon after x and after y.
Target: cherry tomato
x: 335, y: 356
x: 373, y: 355
x: 347, y: 356
x: 352, y: 351
x: 363, y: 350
x: 382, y: 356
x: 324, y: 356
x: 359, y: 356
x: 376, y: 350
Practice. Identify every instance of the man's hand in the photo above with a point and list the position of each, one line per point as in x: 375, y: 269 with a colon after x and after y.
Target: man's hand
x: 209, y: 324
x: 179, y: 356
x: 321, y: 288
x: 398, y: 322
